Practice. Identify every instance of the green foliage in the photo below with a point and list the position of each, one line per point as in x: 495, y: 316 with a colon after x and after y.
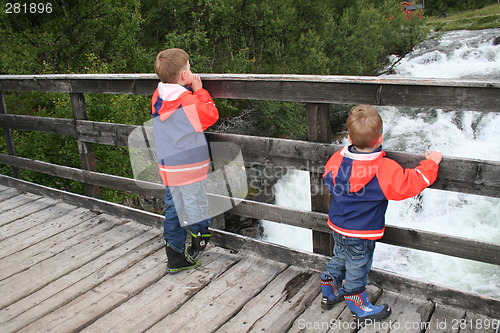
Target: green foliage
x: 278, y: 119
x: 77, y: 37
x: 446, y: 7
x: 487, y: 17
x: 282, y: 36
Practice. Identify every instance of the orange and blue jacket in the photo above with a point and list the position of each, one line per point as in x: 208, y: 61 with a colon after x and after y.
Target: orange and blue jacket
x: 361, y: 185
x: 179, y: 118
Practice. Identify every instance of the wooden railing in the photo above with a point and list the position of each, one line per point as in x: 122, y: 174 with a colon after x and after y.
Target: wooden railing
x: 456, y: 174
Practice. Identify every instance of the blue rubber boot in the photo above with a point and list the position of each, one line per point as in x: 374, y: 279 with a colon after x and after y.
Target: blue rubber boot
x: 332, y: 294
x: 363, y: 310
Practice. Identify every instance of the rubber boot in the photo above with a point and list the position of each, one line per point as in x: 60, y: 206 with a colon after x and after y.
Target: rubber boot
x: 363, y: 310
x: 332, y: 294
x: 176, y: 261
x: 198, y: 244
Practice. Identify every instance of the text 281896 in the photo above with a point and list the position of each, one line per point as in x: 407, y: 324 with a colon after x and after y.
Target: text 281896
x: 28, y: 8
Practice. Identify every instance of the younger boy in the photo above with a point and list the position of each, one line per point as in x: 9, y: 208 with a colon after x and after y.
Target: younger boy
x: 362, y: 181
x: 182, y: 110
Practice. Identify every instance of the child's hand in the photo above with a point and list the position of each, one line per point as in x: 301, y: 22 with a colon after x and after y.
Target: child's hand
x: 196, y: 84
x: 434, y: 155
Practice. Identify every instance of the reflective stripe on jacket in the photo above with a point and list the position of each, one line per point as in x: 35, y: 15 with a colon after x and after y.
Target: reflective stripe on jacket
x: 361, y: 185
x: 180, y: 117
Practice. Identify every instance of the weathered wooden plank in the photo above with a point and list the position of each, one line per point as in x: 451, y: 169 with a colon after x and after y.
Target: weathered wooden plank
x: 281, y: 316
x: 408, y: 315
x: 4, y: 188
x: 87, y: 202
x: 21, y: 212
x: 317, y: 320
x: 78, y: 282
x: 104, y: 133
x: 85, y: 309
x: 8, y: 193
x: 433, y: 93
x: 443, y: 318
x: 30, y: 216
x: 225, y: 296
x: 87, y: 157
x: 358, y: 90
x: 277, y: 306
x: 7, y: 133
x: 435, y: 293
x: 85, y: 176
x: 39, y: 275
x: 84, y: 227
x: 269, y: 251
x: 475, y: 323
x: 274, y: 293
x: 112, y: 83
x: 319, y: 130
x: 429, y: 241
x: 41, y: 124
x: 43, y: 231
x: 16, y: 202
x: 165, y: 296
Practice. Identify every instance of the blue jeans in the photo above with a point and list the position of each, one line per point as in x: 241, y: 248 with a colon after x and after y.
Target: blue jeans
x: 186, y: 206
x: 352, y: 260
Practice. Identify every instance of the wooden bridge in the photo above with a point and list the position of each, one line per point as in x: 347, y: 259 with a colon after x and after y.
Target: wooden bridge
x: 72, y: 262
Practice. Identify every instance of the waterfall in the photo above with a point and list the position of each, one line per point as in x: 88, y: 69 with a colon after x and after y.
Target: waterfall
x: 469, y: 134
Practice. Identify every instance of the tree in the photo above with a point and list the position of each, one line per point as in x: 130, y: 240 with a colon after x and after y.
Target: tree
x: 76, y: 37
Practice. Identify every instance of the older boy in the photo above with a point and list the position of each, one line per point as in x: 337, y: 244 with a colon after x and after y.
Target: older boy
x: 182, y: 110
x: 362, y: 181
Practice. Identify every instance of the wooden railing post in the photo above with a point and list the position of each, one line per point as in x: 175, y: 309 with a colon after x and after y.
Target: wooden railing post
x: 84, y: 148
x: 319, y: 130
x: 9, y: 141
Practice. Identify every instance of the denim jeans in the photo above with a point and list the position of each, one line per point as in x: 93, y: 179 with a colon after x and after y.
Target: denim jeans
x: 186, y: 206
x: 351, y: 262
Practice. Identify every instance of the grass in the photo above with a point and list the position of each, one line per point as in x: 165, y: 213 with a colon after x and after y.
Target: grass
x: 484, y: 18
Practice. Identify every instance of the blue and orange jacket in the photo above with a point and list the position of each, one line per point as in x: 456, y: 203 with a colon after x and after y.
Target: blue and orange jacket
x: 361, y: 185
x: 180, y: 117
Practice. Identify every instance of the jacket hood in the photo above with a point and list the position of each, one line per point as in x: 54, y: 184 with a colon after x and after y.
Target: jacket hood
x: 170, y: 98
x: 364, y: 166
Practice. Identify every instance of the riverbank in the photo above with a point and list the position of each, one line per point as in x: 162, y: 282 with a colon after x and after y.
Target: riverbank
x: 484, y: 18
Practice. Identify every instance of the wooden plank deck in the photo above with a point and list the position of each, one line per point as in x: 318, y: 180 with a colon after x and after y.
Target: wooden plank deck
x: 69, y: 269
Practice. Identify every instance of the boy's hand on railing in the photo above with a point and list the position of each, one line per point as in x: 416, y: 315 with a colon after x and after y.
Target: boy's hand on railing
x: 196, y: 84
x: 434, y: 155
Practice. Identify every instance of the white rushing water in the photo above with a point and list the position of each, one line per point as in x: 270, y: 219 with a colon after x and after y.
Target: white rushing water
x: 469, y: 134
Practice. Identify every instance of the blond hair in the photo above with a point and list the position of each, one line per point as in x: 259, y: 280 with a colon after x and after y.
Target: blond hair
x: 169, y: 63
x: 364, y: 125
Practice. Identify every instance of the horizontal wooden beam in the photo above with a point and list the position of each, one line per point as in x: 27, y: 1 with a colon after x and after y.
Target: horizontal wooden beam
x: 456, y: 174
x: 482, y: 305
x: 40, y: 124
x: 416, y: 239
x: 419, y: 93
